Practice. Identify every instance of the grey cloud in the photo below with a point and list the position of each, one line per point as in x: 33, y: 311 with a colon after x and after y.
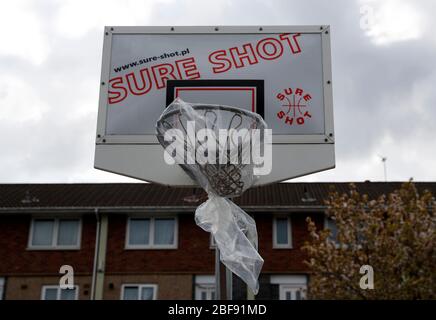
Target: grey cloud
x: 379, y: 91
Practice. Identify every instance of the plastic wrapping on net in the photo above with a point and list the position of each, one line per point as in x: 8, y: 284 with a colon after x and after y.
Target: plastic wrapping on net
x: 233, y: 229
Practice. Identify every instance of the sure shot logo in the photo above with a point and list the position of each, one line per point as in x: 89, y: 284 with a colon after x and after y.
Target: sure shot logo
x: 295, y: 106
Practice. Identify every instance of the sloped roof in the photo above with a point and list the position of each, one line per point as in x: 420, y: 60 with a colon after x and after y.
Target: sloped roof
x: 134, y: 195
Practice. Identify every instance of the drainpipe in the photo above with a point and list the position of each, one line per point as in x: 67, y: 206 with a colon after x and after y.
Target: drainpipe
x: 101, y: 258
x: 94, y: 267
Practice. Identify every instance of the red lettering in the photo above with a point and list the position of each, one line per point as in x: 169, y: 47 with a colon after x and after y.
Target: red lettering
x: 120, y: 92
x: 280, y: 114
x: 300, y: 120
x: 142, y: 81
x: 240, y: 56
x: 162, y: 73
x: 292, y: 41
x: 219, y: 58
x: 276, y: 45
x: 187, y: 69
x: 280, y: 96
x: 288, y: 91
x: 145, y: 82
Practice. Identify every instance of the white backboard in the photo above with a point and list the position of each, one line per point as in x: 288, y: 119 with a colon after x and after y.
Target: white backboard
x: 290, y: 67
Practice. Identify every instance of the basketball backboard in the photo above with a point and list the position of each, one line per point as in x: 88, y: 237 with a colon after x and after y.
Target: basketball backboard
x: 280, y: 72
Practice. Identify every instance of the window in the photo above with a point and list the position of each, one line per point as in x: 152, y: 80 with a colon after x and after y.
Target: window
x: 204, y: 287
x: 291, y: 287
x: 55, y: 234
x: 139, y: 292
x: 149, y: 233
x: 331, y: 225
x: 205, y: 292
x: 282, y: 233
x: 292, y: 292
x: 2, y: 288
x: 56, y: 293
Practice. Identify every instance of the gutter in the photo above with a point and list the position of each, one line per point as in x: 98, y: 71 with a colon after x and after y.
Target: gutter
x: 178, y: 209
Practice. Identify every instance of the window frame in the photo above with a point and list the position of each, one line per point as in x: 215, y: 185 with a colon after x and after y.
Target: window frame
x: 284, y: 288
x: 151, y: 244
x: 331, y: 237
x: 54, y: 240
x: 335, y: 240
x: 139, y: 286
x: 207, y: 288
x: 58, y: 292
x: 288, y: 245
x: 288, y: 282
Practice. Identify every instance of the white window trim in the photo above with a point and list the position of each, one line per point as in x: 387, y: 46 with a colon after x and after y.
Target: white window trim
x: 56, y: 220
x: 140, y: 286
x: 282, y: 246
x: 205, y: 279
x: 58, y: 292
x: 151, y: 245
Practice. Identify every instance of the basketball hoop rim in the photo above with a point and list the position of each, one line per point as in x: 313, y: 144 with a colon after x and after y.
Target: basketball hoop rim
x: 206, y: 107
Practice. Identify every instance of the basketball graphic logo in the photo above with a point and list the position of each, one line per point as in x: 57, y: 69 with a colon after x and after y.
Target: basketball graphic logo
x: 294, y: 105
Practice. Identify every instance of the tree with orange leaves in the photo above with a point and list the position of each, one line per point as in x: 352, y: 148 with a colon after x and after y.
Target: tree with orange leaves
x: 395, y: 235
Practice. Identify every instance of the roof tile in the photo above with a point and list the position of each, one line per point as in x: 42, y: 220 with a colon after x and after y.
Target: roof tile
x: 151, y: 195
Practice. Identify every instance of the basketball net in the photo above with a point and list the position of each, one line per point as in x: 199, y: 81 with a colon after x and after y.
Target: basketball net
x: 212, y: 144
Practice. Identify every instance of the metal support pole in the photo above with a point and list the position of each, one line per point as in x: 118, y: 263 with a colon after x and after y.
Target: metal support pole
x: 219, y: 270
x: 217, y: 274
x: 229, y: 284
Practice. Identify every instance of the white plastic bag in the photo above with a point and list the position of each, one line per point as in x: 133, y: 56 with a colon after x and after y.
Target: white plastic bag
x: 235, y: 235
x: 233, y: 229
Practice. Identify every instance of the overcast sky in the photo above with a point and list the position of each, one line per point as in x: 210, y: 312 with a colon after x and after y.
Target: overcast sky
x: 384, y: 80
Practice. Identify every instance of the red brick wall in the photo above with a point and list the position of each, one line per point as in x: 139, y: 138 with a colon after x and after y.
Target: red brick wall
x: 16, y: 259
x: 195, y: 256
x: 192, y: 256
x: 30, y: 287
x: 284, y: 260
x: 169, y: 286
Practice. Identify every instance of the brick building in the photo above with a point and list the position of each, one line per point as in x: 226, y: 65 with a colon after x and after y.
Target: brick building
x: 130, y: 241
